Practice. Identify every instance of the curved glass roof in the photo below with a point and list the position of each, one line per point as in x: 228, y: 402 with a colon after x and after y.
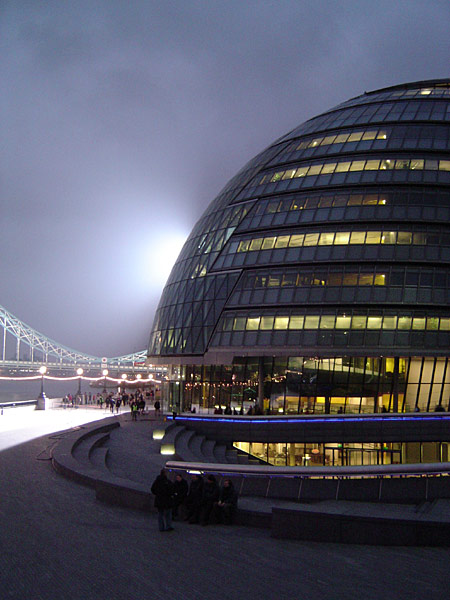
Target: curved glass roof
x: 344, y: 220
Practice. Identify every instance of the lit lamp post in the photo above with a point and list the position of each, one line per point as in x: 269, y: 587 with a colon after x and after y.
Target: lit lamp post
x: 104, y: 373
x: 79, y: 373
x: 40, y: 404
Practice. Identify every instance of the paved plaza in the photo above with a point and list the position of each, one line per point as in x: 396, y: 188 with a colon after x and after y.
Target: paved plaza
x: 58, y: 542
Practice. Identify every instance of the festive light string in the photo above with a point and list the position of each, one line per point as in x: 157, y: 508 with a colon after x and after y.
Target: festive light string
x: 76, y: 377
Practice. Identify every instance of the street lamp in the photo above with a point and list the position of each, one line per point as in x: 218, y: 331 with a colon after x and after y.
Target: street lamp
x: 104, y: 373
x: 40, y: 404
x: 79, y: 373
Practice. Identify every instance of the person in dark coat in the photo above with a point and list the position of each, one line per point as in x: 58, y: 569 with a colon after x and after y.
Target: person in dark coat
x: 163, y: 490
x: 209, y: 496
x: 225, y: 507
x: 180, y: 487
x: 194, y: 499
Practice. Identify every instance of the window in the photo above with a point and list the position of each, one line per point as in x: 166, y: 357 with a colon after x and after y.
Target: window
x: 281, y: 322
x: 296, y: 322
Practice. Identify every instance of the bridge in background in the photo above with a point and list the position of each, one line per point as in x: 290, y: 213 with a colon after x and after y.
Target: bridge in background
x: 24, y: 350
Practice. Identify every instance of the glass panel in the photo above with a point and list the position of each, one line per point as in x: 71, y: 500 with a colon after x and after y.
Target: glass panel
x: 366, y: 279
x: 369, y: 135
x: 296, y: 322
x: 326, y: 239
x: 341, y: 238
x: 255, y: 244
x: 389, y: 322
x: 372, y: 165
x: 327, y: 322
x: 404, y: 237
x: 357, y: 165
x: 239, y: 324
x: 404, y: 322
x: 266, y: 323
x: 281, y: 322
x: 351, y: 279
x: 343, y: 322
x: 373, y: 237
x: 380, y: 279
x: 389, y: 237
x: 268, y: 243
x: 314, y: 169
x: 282, y: 241
x: 311, y: 239
x: 328, y: 168
x: 355, y: 137
x: 432, y: 323
x: 253, y: 323
x: 296, y: 240
x: 444, y: 324
x: 419, y: 323
x: 243, y: 246
x: 374, y: 322
x: 343, y: 167
x: 359, y: 322
x: 357, y: 237
x: 311, y: 322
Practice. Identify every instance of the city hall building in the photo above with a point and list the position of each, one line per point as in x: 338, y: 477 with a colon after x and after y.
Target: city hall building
x: 317, y: 281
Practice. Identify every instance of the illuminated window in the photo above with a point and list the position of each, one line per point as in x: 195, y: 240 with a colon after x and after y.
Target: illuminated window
x: 357, y: 237
x: 373, y: 237
x: 389, y: 322
x: 355, y: 137
x: 327, y: 322
x: 311, y: 239
x: 343, y: 167
x: 432, y: 323
x: 239, y: 324
x: 444, y: 324
x: 341, y: 238
x: 311, y: 322
x: 255, y: 244
x: 281, y: 323
x: 268, y: 243
x: 372, y: 165
x: 243, y: 246
x: 326, y: 239
x: 328, y: 168
x: 418, y: 323
x: 253, y: 323
x: 404, y: 237
x: 266, y: 323
x: 404, y: 322
x: 380, y: 279
x: 343, y: 322
x: 282, y: 241
x: 359, y: 322
x: 357, y: 165
x: 296, y: 322
x: 374, y: 322
x: 296, y: 240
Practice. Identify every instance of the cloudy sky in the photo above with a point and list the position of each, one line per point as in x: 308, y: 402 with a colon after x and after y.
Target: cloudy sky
x: 122, y: 119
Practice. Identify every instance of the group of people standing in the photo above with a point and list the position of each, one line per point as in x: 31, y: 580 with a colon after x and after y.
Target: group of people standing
x: 203, y: 501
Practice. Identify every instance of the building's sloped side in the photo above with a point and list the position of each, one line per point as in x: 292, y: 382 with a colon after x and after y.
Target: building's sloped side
x: 335, y: 240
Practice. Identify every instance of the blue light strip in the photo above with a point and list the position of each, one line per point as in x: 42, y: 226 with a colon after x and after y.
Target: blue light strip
x: 312, y: 419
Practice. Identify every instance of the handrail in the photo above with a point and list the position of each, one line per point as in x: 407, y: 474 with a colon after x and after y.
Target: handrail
x: 307, y: 472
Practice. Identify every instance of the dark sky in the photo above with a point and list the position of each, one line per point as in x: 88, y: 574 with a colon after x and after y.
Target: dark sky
x: 121, y: 121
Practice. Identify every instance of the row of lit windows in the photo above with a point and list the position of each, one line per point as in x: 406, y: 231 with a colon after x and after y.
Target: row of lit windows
x: 324, y: 201
x: 323, y: 277
x: 341, y: 138
x: 331, y: 238
x: 270, y: 322
x: 357, y: 165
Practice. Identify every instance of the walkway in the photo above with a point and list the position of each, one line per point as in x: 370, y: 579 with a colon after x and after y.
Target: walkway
x: 58, y: 543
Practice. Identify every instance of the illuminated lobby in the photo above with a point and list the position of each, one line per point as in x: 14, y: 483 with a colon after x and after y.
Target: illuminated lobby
x: 316, y: 286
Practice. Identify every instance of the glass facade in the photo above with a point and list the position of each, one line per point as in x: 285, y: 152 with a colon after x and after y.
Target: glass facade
x: 318, y: 280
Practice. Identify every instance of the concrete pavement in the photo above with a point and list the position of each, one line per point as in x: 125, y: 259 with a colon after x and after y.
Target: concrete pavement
x: 57, y: 542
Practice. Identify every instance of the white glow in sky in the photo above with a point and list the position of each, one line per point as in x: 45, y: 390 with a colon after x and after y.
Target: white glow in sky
x: 162, y: 255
